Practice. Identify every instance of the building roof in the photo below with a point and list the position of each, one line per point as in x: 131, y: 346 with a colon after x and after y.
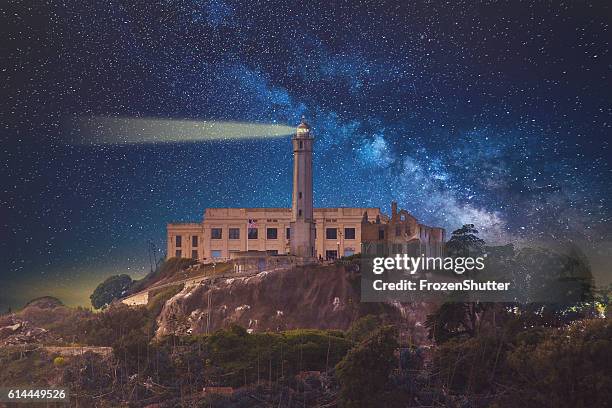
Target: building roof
x: 303, y: 124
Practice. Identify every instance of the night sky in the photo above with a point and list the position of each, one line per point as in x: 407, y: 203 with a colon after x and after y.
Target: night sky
x: 496, y: 114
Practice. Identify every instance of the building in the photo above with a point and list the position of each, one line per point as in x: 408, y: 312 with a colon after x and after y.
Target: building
x: 302, y: 227
x: 301, y: 231
x: 401, y: 234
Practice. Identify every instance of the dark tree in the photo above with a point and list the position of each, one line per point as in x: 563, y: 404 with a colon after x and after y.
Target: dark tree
x: 364, y: 372
x: 112, y: 288
x: 465, y: 242
x: 455, y: 319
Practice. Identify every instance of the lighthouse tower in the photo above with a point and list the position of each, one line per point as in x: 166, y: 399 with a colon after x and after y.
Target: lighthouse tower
x: 302, y: 220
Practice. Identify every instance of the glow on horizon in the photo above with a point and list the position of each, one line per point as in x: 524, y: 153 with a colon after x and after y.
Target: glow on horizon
x: 105, y: 130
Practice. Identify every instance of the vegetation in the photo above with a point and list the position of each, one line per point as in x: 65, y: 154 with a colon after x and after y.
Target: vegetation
x: 364, y: 372
x: 483, y: 354
x: 59, y: 361
x: 157, y: 298
x: 115, y: 287
x: 363, y: 328
x: 465, y: 242
x: 170, y: 268
x: 542, y: 366
x: 563, y: 367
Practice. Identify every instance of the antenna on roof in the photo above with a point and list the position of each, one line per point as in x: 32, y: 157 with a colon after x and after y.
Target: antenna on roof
x: 152, y: 251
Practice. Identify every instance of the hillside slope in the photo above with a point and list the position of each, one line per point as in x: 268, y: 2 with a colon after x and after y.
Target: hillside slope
x: 313, y: 296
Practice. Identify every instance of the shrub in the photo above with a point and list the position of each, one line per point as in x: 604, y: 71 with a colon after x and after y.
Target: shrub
x: 59, y: 361
x: 568, y: 367
x: 470, y: 365
x: 158, y: 298
x: 364, y: 372
x: 115, y: 287
x: 363, y: 327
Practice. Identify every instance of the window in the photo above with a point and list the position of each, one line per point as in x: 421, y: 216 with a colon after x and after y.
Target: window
x: 381, y: 234
x: 273, y: 251
x: 331, y: 255
x: 194, y: 254
x: 234, y: 233
x: 215, y: 253
x: 194, y: 241
x: 178, y: 253
x: 398, y: 230
x: 349, y: 251
x: 272, y: 233
x: 252, y: 233
x: 178, y: 241
x: 288, y: 232
x: 349, y: 233
x: 331, y: 233
x: 300, y: 194
x: 216, y: 233
x: 301, y: 144
x: 300, y: 213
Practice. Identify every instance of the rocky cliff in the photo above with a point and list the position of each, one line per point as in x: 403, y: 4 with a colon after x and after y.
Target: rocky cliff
x: 313, y: 296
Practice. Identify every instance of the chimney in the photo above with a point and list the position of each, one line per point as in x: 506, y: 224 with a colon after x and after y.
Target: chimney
x: 393, y: 209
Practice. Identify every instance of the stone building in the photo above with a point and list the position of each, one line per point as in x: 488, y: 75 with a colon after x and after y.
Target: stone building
x: 225, y: 231
x: 401, y: 233
x: 300, y: 231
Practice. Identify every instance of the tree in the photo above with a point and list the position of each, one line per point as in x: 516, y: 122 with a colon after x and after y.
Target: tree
x: 464, y: 242
x: 364, y: 372
x: 112, y: 288
x: 566, y: 367
x: 557, y: 285
x: 363, y: 327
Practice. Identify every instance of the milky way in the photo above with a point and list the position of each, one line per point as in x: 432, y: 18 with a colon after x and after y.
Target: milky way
x: 486, y: 113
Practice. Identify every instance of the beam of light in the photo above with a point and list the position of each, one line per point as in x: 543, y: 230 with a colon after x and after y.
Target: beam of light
x: 100, y: 130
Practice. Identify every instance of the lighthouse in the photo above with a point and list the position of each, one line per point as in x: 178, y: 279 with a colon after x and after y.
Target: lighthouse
x: 302, y: 241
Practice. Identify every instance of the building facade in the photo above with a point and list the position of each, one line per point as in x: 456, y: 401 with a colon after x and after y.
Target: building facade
x: 337, y: 232
x: 401, y: 234
x: 300, y: 231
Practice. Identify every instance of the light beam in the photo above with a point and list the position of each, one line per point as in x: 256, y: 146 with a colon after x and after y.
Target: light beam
x: 101, y: 130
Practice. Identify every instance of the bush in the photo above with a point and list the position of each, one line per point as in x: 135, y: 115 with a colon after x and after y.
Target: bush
x: 541, y: 366
x: 238, y: 358
x: 59, y: 361
x: 119, y: 320
x: 471, y: 365
x: 115, y: 287
x: 364, y: 372
x: 567, y: 367
x: 362, y: 328
x: 157, y: 299
x: 168, y: 269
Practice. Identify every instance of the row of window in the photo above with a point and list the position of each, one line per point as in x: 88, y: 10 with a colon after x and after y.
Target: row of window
x: 216, y: 253
x: 179, y: 241
x: 272, y: 233
x: 179, y: 253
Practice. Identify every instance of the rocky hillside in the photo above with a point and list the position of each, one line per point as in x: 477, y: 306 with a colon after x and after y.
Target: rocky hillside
x: 313, y: 296
x: 42, y: 320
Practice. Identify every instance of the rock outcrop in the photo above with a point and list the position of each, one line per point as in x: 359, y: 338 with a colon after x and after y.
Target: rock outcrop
x: 313, y: 296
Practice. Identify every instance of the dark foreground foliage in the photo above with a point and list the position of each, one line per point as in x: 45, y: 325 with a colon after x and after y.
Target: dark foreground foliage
x: 502, y: 365
x: 565, y: 366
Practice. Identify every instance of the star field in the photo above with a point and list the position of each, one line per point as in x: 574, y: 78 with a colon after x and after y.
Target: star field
x: 496, y: 114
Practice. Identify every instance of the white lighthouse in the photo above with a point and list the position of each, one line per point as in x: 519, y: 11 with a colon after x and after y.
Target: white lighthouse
x: 302, y: 221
